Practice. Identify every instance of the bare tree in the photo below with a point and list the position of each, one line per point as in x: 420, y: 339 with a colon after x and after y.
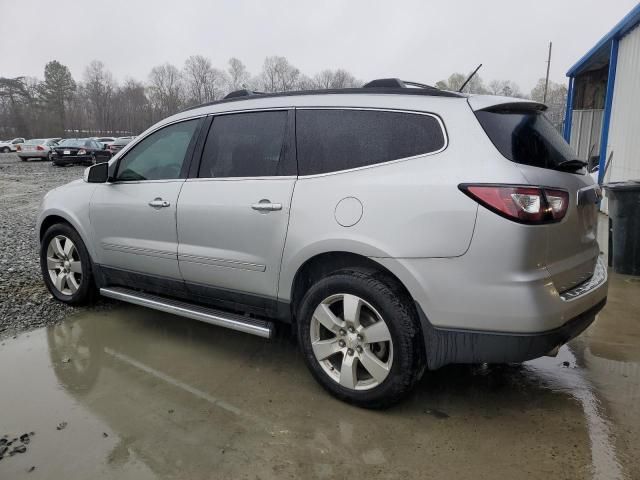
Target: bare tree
x: 456, y: 80
x: 166, y: 89
x: 238, y: 75
x: 556, y: 100
x: 99, y: 89
x: 504, y: 87
x: 278, y: 75
x: 335, y: 79
x: 203, y: 82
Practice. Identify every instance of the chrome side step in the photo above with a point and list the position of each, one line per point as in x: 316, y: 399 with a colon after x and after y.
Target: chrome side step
x: 233, y: 321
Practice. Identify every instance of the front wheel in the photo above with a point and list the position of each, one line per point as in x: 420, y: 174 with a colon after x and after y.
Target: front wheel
x: 6, y: 150
x: 361, y: 338
x: 65, y: 265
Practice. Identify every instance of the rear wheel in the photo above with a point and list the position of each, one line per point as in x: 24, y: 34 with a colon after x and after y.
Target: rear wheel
x: 361, y: 338
x: 24, y: 159
x: 65, y: 265
x: 6, y: 150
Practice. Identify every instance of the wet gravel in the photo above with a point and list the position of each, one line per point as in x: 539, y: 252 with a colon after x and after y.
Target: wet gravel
x: 25, y: 303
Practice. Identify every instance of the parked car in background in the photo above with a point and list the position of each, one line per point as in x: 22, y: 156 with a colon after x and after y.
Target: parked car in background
x: 119, y: 144
x: 11, y: 145
x: 41, y: 148
x: 400, y: 229
x: 79, y: 150
x: 105, y: 141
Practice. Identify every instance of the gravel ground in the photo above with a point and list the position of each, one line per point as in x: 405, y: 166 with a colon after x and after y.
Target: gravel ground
x: 25, y: 303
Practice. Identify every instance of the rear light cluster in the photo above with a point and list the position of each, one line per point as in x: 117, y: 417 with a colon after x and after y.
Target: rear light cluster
x: 40, y: 148
x: 523, y: 204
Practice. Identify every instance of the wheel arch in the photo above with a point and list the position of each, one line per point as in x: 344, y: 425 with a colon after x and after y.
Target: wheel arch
x: 53, y: 218
x: 323, y: 264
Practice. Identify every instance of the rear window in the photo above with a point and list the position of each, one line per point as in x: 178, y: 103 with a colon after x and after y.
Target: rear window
x: 334, y: 140
x: 526, y: 137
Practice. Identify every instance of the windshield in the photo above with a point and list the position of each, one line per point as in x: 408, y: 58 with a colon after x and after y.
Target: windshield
x: 526, y: 137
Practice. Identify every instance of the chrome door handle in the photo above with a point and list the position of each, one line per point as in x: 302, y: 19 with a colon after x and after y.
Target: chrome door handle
x: 158, y: 203
x: 266, y: 206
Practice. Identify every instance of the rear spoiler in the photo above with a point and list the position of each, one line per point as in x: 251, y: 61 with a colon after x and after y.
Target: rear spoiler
x: 497, y: 103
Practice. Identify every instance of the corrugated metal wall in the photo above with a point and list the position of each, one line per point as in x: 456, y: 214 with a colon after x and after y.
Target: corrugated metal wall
x: 586, y: 130
x: 624, y: 127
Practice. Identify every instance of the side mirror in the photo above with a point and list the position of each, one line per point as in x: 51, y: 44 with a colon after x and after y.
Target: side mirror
x: 98, y: 173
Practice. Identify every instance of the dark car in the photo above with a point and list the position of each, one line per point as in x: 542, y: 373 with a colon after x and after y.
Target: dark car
x: 119, y: 144
x: 79, y: 150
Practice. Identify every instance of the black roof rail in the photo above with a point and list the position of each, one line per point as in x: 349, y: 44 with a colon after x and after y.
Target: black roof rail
x: 397, y: 83
x: 241, y: 93
x: 389, y: 86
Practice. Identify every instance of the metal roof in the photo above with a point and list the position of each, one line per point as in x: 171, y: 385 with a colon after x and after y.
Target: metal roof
x: 598, y: 56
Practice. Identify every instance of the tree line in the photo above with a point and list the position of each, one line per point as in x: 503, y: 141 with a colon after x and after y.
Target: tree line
x: 97, y: 104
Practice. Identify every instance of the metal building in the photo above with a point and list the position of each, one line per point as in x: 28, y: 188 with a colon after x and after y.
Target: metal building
x: 603, y: 102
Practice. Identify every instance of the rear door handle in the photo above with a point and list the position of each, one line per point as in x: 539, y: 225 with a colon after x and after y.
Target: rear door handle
x: 158, y: 203
x: 266, y: 206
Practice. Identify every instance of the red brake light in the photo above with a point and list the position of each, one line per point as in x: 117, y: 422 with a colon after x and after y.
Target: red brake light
x: 523, y: 204
x: 40, y: 147
x: 18, y: 148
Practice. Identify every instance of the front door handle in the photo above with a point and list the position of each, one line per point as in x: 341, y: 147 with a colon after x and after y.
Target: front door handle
x: 158, y: 203
x: 265, y: 206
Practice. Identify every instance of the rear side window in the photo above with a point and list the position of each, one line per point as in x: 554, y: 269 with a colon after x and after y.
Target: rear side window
x: 334, y: 140
x: 246, y: 145
x: 526, y: 137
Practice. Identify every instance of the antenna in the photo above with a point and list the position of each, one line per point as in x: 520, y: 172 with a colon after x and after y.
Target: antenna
x: 546, y: 80
x: 469, y: 78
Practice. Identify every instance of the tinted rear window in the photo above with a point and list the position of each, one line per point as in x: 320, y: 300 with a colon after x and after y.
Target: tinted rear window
x: 525, y: 137
x: 333, y: 140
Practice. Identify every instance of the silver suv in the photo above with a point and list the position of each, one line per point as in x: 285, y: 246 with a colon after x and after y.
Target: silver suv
x: 396, y: 228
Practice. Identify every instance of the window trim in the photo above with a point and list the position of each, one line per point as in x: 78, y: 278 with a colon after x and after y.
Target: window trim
x: 389, y: 162
x: 189, y: 154
x: 289, y: 142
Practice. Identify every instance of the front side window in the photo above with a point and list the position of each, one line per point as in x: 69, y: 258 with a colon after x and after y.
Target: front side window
x: 334, y: 140
x: 159, y: 156
x: 246, y: 145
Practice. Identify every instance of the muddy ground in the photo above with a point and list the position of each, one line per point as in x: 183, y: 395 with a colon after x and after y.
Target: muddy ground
x: 132, y: 393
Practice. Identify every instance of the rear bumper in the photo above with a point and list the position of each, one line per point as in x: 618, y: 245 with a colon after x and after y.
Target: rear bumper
x: 33, y: 154
x: 69, y: 159
x: 446, y: 346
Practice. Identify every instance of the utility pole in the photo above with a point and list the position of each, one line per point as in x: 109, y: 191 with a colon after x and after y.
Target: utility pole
x: 546, y: 81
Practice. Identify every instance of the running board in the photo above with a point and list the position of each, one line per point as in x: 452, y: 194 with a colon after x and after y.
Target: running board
x: 261, y: 328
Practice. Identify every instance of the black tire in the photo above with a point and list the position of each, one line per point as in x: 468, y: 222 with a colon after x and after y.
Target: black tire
x: 396, y: 308
x: 24, y: 159
x: 86, y: 290
x: 6, y: 150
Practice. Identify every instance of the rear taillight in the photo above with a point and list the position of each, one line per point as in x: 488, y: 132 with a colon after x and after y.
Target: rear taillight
x: 523, y: 204
x: 40, y: 147
x: 18, y: 148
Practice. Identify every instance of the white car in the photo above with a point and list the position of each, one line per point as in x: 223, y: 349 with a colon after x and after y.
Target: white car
x: 10, y: 145
x: 105, y: 141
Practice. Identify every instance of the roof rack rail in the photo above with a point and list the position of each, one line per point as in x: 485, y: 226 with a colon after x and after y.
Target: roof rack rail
x: 241, y: 93
x: 396, y: 83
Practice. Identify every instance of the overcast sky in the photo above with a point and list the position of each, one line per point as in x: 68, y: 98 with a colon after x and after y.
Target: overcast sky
x: 423, y: 41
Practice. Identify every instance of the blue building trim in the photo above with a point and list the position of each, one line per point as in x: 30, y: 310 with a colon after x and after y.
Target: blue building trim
x: 568, y: 113
x: 608, y: 102
x: 622, y: 28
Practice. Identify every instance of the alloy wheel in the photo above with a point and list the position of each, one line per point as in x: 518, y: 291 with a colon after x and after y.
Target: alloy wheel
x: 64, y: 265
x: 351, y: 342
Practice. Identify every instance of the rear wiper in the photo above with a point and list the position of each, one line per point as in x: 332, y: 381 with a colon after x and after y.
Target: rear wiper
x: 570, y: 165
